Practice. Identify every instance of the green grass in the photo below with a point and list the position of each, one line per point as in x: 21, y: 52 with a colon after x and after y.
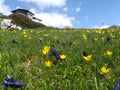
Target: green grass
x: 26, y: 62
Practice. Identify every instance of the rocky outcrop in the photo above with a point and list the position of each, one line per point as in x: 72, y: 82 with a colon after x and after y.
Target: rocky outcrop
x: 7, y: 24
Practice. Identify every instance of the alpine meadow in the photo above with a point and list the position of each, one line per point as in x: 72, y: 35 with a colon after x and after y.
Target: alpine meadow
x: 52, y: 59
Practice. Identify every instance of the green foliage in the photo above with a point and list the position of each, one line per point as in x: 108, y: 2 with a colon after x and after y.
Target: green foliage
x: 26, y: 62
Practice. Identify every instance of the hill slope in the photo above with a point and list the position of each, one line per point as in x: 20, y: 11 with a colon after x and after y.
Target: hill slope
x: 24, y: 21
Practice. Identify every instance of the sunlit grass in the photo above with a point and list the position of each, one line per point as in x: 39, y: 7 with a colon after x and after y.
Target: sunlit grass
x: 31, y: 61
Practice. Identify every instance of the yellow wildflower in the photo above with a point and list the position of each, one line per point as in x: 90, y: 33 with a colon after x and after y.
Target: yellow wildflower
x: 95, y: 39
x: 48, y: 63
x: 87, y: 58
x: 24, y: 33
x: 46, y: 50
x: 31, y: 31
x: 46, y: 35
x: 109, y: 53
x: 98, y: 31
x: 38, y: 32
x: 84, y: 37
x: 104, y: 70
x: 103, y: 38
x: 55, y: 37
x: 62, y: 56
x: 88, y: 31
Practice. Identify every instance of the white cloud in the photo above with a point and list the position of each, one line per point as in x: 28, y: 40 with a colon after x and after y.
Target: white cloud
x: 65, y: 9
x: 4, y: 8
x: 101, y: 27
x: 46, y: 3
x: 77, y: 9
x: 33, y: 10
x: 55, y: 19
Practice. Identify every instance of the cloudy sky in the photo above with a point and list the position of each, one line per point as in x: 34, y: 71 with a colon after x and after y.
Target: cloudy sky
x: 74, y: 13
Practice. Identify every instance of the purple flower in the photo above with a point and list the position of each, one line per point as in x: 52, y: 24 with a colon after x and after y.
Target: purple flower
x: 58, y: 57
x: 85, y: 53
x: 108, y: 38
x: 14, y: 41
x: 118, y: 85
x: 56, y: 54
x: 10, y: 82
x: 53, y: 51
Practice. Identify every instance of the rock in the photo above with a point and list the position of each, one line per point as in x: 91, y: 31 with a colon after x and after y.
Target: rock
x: 7, y: 24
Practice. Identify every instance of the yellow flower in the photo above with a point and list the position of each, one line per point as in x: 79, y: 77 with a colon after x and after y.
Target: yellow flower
x: 103, y: 38
x: 63, y: 56
x: 48, y: 63
x: 95, y: 39
x: 31, y: 31
x: 87, y: 58
x: 38, y: 32
x: 109, y: 53
x: 55, y: 37
x: 0, y: 56
x: 104, y: 70
x: 46, y: 35
x: 84, y: 37
x: 112, y: 35
x: 98, y: 31
x: 24, y: 33
x: 46, y: 50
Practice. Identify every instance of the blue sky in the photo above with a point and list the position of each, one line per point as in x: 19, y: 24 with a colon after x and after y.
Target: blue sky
x: 74, y: 13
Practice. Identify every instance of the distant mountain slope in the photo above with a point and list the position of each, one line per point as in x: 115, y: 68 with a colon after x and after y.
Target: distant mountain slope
x: 24, y: 21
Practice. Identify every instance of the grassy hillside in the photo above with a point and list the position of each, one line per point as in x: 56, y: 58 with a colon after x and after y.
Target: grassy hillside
x: 61, y: 59
x: 24, y: 21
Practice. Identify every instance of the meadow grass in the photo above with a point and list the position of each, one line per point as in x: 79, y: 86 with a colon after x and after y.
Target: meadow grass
x: 25, y: 60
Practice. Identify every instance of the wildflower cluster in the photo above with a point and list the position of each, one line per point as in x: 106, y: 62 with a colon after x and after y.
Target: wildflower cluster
x: 86, y: 56
x: 57, y: 55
